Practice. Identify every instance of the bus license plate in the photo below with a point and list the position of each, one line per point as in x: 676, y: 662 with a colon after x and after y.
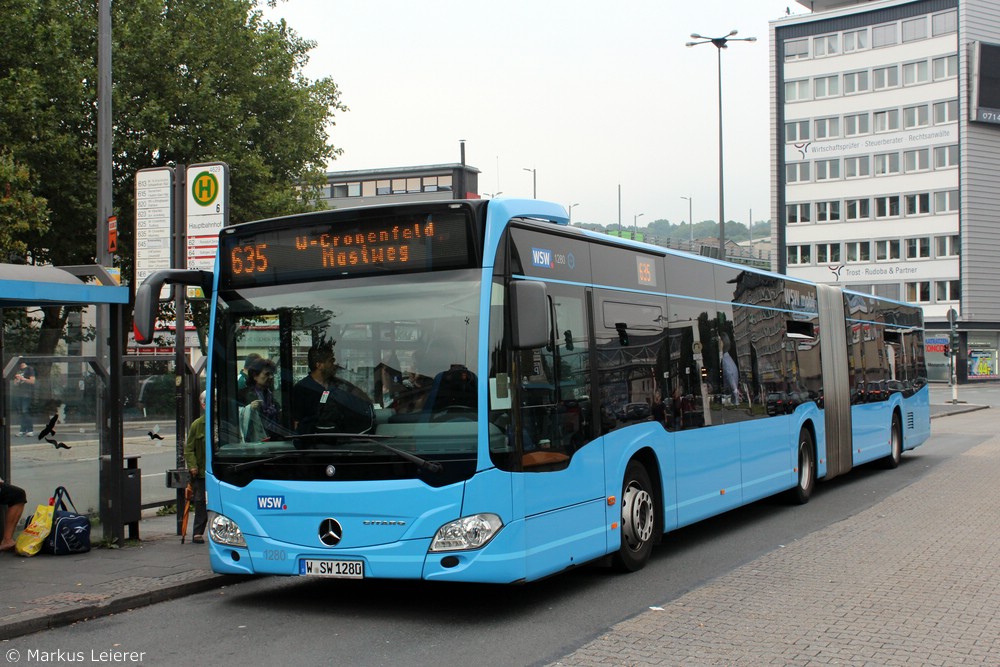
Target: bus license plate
x: 341, y: 569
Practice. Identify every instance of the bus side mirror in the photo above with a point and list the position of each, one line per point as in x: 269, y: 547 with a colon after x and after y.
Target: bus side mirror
x: 147, y: 298
x: 529, y: 315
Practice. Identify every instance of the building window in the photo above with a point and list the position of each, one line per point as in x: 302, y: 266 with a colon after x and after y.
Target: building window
x: 858, y: 251
x: 827, y: 86
x: 917, y: 160
x: 797, y: 172
x: 827, y: 211
x: 826, y: 45
x: 857, y: 209
x: 948, y: 290
x: 946, y: 202
x: 945, y: 112
x: 796, y: 49
x: 887, y: 206
x: 885, y: 77
x: 887, y: 290
x: 855, y: 40
x: 917, y: 116
x: 797, y: 90
x: 855, y: 82
x: 855, y: 124
x: 827, y: 169
x: 947, y: 246
x: 887, y: 121
x: 945, y: 156
x: 798, y: 254
x: 918, y: 204
x: 827, y: 128
x: 795, y: 213
x: 944, y: 23
x: 886, y: 164
x: 855, y: 167
x: 887, y: 250
x: 884, y: 35
x: 945, y: 67
x: 383, y: 187
x: 914, y: 73
x: 918, y: 248
x: 914, y: 29
x: 827, y: 253
x: 437, y: 183
x: 919, y: 292
x: 797, y: 130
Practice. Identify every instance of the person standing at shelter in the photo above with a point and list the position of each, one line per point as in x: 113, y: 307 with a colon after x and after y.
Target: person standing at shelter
x: 23, y: 393
x: 15, y: 499
x: 194, y: 456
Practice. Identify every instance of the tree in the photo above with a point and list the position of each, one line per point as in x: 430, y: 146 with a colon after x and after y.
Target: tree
x: 22, y: 213
x: 194, y: 81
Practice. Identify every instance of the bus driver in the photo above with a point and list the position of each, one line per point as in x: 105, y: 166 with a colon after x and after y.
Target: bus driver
x: 323, y: 402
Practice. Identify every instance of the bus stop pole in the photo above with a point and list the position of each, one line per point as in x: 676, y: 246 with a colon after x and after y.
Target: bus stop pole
x: 180, y: 339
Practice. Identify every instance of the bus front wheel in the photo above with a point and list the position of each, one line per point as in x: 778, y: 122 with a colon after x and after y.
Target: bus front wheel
x: 638, y: 519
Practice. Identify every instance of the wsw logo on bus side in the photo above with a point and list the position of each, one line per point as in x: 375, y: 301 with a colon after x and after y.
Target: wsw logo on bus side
x: 542, y: 257
x: 546, y: 259
x: 271, y: 503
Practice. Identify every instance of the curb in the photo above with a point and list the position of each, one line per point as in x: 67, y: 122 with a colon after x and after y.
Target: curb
x: 955, y: 410
x: 118, y: 605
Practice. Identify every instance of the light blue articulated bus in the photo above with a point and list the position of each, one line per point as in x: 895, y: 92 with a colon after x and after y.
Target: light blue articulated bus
x: 476, y: 391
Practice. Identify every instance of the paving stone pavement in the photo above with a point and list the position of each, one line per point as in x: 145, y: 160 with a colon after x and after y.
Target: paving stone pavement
x: 914, y: 580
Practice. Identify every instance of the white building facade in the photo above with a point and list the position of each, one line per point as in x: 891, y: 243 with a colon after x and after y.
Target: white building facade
x: 882, y: 181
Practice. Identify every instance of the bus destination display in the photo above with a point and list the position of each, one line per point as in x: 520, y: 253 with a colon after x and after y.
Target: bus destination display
x: 384, y: 245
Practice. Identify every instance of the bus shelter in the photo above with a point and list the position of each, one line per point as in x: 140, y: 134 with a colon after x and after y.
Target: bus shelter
x: 31, y: 298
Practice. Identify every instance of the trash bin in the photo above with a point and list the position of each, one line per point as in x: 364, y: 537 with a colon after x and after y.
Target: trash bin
x: 131, y: 485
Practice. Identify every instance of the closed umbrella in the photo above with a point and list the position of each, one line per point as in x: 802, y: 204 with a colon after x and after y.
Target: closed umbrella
x: 188, y: 495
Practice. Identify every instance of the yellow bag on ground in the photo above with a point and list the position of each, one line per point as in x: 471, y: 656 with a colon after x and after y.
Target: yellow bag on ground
x: 29, y: 542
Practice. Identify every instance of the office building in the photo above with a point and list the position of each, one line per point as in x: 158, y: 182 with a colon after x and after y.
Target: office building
x: 887, y: 139
x: 366, y: 187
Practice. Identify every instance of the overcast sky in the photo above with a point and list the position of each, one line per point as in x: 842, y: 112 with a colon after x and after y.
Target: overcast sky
x: 590, y: 94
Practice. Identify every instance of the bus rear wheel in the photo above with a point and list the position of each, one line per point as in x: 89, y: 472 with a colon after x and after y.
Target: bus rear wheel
x: 807, y: 469
x: 895, y: 444
x: 638, y: 519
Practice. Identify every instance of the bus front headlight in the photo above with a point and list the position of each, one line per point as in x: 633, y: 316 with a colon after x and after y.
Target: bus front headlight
x: 470, y: 532
x: 224, y: 530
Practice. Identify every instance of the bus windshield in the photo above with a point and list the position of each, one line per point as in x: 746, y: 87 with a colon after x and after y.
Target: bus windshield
x: 370, y: 378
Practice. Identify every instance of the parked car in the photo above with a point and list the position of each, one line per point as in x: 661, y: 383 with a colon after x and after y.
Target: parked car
x: 777, y: 403
x: 634, y: 412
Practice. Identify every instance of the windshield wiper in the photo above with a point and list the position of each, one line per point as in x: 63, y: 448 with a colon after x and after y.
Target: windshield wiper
x: 257, y: 462
x: 423, y: 464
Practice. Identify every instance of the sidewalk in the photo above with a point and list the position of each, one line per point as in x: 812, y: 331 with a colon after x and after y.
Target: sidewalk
x: 49, y: 591
x: 913, y: 580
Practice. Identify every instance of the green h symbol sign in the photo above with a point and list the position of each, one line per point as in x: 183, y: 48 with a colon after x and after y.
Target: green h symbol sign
x: 205, y: 188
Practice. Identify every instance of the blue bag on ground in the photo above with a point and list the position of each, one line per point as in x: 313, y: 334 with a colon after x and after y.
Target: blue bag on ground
x: 70, y: 532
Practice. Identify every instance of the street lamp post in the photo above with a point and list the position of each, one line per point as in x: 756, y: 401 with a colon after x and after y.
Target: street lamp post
x: 720, y: 43
x: 569, y: 209
x: 534, y: 182
x: 690, y: 201
x: 635, y: 225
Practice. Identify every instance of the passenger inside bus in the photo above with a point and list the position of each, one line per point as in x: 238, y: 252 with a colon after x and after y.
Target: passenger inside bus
x: 260, y: 413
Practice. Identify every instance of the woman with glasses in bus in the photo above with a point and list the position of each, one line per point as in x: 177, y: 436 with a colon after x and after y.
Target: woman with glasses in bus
x: 260, y: 416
